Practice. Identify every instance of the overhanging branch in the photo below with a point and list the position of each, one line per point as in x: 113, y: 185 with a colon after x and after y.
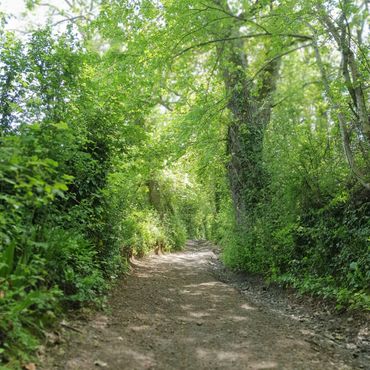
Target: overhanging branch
x: 280, y: 56
x: 242, y: 37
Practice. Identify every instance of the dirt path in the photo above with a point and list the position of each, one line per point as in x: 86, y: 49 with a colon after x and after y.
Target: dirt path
x: 172, y: 313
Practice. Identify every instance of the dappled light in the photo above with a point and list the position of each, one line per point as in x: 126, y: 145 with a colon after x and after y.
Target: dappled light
x: 172, y: 313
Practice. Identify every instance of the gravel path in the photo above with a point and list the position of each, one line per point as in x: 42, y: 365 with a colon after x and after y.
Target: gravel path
x: 173, y: 313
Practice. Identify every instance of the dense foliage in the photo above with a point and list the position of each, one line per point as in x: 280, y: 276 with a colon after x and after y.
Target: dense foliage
x: 242, y: 122
x: 77, y: 177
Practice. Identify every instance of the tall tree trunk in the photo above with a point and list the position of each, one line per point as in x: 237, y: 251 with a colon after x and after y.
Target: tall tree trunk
x: 250, y: 115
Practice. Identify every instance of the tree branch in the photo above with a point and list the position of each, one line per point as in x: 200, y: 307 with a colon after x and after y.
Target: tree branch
x: 72, y: 19
x: 194, y: 30
x: 241, y: 37
x: 280, y: 56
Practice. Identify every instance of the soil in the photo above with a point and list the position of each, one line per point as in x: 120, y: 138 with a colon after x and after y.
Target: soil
x: 187, y: 311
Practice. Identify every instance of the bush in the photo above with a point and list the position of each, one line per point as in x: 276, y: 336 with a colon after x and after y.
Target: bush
x: 26, y: 305
x: 144, y: 232
x: 176, y: 232
x: 71, y: 264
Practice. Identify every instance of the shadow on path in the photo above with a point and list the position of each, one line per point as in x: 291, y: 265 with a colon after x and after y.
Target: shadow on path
x: 171, y: 313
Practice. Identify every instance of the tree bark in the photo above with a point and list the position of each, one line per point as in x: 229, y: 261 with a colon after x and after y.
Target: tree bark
x: 250, y: 115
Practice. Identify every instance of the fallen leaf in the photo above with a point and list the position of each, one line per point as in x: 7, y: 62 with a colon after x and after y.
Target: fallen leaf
x: 100, y: 363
